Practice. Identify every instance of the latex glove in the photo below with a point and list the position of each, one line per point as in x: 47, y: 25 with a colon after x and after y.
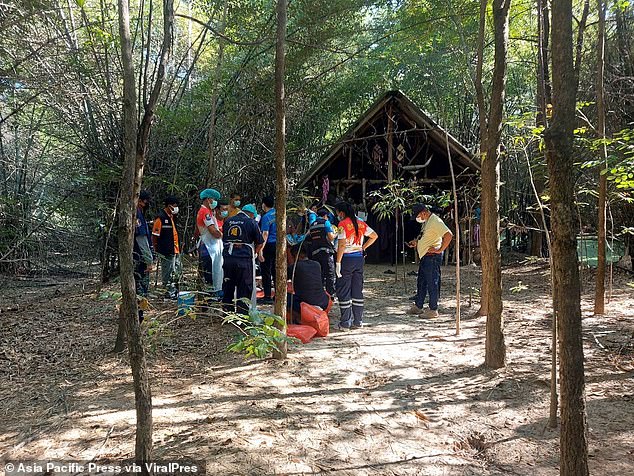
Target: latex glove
x: 338, y: 270
x: 260, y: 257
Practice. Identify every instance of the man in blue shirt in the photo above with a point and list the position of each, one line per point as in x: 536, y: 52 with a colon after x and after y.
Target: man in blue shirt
x: 143, y: 253
x: 242, y: 241
x: 320, y: 238
x: 267, y: 255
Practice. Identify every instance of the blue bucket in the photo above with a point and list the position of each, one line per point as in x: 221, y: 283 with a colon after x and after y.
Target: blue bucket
x: 186, y: 301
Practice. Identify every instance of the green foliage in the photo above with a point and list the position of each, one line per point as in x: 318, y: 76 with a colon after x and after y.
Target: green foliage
x: 519, y: 288
x: 260, y: 333
x: 399, y: 197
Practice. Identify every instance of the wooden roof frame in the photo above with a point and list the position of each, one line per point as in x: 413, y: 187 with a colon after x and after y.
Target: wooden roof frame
x: 435, y: 134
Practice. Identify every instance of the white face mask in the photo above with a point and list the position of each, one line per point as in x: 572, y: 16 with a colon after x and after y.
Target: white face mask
x: 420, y: 220
x: 174, y: 210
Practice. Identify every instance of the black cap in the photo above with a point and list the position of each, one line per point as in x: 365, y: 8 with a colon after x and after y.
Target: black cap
x: 419, y: 207
x: 171, y: 200
x: 145, y: 195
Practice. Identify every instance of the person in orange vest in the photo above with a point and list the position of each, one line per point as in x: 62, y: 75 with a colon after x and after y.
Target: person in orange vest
x: 165, y: 240
x: 354, y: 237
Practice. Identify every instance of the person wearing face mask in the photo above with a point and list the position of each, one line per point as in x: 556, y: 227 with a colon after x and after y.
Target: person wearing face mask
x: 433, y: 239
x: 143, y: 253
x: 234, y: 204
x: 210, y: 242
x: 165, y: 240
x: 354, y: 237
x: 222, y: 212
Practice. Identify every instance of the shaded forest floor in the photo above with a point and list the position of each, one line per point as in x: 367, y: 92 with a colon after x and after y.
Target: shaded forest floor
x: 403, y: 396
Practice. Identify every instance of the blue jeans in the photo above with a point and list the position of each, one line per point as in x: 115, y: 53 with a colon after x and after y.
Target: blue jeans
x: 429, y: 281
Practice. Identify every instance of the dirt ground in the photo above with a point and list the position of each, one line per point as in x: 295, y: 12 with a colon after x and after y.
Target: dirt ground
x: 403, y: 396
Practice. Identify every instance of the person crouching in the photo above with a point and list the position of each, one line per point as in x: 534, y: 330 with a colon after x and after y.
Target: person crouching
x: 308, y: 287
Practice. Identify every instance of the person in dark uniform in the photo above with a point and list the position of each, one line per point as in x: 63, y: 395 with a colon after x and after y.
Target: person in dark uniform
x: 165, y: 241
x: 242, y: 241
x: 321, y: 236
x: 143, y: 253
x: 305, y: 275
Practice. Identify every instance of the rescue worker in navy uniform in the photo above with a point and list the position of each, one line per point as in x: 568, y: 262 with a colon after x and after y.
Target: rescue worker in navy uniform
x: 143, y: 253
x: 242, y: 241
x: 166, y: 245
x: 321, y: 236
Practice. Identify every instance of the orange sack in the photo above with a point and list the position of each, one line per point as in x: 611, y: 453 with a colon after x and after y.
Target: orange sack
x: 303, y: 333
x: 315, y: 318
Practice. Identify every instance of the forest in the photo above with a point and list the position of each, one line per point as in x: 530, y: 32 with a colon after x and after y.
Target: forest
x: 511, y: 121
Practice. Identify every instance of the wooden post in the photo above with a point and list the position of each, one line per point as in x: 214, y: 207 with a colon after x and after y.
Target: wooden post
x: 390, y: 172
x: 349, y: 162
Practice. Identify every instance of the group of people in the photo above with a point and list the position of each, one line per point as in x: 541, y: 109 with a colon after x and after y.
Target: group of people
x: 327, y: 256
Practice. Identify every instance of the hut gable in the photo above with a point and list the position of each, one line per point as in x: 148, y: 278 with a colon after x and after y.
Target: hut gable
x: 393, y: 139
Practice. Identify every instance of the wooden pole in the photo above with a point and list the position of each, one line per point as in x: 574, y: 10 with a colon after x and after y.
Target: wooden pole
x: 390, y: 142
x: 457, y: 235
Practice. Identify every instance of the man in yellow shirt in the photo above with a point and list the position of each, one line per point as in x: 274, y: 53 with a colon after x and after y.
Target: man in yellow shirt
x: 433, y: 239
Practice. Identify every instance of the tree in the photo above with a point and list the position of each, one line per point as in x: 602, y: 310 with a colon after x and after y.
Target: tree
x: 280, y: 171
x: 135, y: 144
x: 559, y: 154
x: 599, y: 296
x: 491, y: 132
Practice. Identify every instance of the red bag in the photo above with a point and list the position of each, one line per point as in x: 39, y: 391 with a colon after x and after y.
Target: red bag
x: 315, y: 318
x: 303, y: 333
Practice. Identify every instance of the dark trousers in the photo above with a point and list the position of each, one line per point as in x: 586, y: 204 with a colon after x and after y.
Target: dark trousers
x: 238, y: 279
x: 205, y: 268
x: 428, y: 281
x: 350, y: 291
x: 327, y: 263
x: 141, y: 282
x: 268, y: 268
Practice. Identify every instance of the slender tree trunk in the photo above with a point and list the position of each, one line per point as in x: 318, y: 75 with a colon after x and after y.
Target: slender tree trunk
x: 127, y: 207
x: 599, y: 296
x: 559, y: 153
x: 280, y: 170
x: 457, y: 232
x: 495, y: 352
x: 482, y: 117
x: 211, y: 150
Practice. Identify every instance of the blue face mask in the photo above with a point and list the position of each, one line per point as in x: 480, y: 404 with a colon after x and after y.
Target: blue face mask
x: 236, y: 203
x: 224, y: 214
x: 214, y: 204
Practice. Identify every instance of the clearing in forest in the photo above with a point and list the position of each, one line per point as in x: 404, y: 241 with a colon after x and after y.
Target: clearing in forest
x: 403, y: 396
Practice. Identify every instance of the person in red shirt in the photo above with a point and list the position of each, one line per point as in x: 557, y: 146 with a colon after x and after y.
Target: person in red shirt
x: 210, y: 242
x: 222, y: 212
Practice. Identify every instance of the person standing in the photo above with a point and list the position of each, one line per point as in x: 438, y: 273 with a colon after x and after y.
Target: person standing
x: 165, y: 241
x: 142, y: 253
x: 349, y: 265
x: 234, y: 204
x: 433, y: 239
x: 321, y: 236
x: 210, y: 242
x: 222, y: 212
x: 242, y: 242
x: 268, y: 226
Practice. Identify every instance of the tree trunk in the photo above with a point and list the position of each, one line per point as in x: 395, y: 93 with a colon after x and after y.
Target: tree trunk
x: 211, y: 150
x: 599, y: 296
x: 127, y: 207
x: 280, y: 171
x: 457, y: 232
x: 559, y: 154
x: 482, y: 117
x: 495, y: 352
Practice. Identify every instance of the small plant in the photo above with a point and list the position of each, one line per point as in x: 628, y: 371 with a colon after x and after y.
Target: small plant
x: 259, y: 334
x: 519, y: 288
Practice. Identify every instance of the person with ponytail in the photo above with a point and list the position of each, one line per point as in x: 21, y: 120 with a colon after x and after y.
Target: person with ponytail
x: 355, y: 236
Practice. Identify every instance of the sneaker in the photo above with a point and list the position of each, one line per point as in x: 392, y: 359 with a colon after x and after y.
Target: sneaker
x: 431, y: 313
x: 343, y: 329
x: 414, y: 310
x: 356, y: 326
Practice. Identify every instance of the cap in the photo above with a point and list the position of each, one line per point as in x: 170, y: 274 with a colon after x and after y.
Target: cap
x: 210, y: 193
x: 145, y: 195
x: 250, y: 208
x: 171, y: 200
x: 417, y: 208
